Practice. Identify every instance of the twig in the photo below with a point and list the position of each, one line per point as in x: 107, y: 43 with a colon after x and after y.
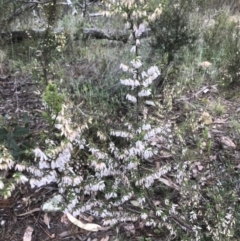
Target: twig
x: 36, y: 219
x: 181, y: 223
x: 29, y: 212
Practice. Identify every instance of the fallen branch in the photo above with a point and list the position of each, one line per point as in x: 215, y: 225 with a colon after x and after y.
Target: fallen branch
x: 20, y: 11
x: 29, y: 6
x: 95, y: 14
x: 118, y: 35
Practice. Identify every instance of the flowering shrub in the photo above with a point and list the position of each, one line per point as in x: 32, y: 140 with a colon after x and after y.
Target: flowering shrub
x: 112, y: 173
x: 117, y: 173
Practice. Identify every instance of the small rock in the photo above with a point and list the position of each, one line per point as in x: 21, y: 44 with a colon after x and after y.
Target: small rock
x: 227, y: 143
x: 205, y: 65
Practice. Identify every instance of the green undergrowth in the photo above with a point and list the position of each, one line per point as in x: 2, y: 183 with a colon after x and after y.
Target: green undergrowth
x: 131, y: 146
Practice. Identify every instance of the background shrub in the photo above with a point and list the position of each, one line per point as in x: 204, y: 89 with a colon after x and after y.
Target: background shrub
x: 173, y: 30
x: 222, y: 46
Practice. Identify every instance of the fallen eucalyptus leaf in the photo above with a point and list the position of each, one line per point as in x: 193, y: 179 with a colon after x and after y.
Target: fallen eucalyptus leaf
x: 169, y: 183
x: 106, y: 238
x: 104, y: 228
x: 135, y: 203
x: 46, y: 220
x: 65, y: 220
x: 88, y: 226
x: 28, y: 234
x: 64, y: 234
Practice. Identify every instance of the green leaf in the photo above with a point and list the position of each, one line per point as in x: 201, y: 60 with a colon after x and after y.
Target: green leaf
x: 12, y: 145
x: 16, y: 154
x: 3, y: 134
x: 20, y: 131
x: 26, y: 119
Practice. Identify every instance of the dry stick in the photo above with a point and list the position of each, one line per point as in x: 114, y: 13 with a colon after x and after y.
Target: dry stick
x: 37, y: 221
x: 30, y: 212
x: 38, y: 218
x: 181, y: 223
x: 177, y: 220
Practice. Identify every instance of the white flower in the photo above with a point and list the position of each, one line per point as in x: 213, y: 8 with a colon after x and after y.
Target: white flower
x: 152, y: 17
x: 140, y: 146
x: 43, y: 164
x: 4, y: 166
x: 61, y: 160
x: 136, y: 62
x: 109, y: 222
x: 140, y: 30
x: 151, y: 222
x: 101, y: 186
x: 193, y: 215
x: 153, y: 71
x: 40, y: 154
x: 138, y: 42
x: 110, y: 195
x: 67, y: 180
x: 1, y: 185
x: 132, y: 165
x: 124, y: 15
x: 148, y: 153
x: 141, y: 200
x: 100, y: 166
x: 144, y: 74
x: 144, y: 93
x: 33, y: 182
x: 130, y: 82
x: 59, y: 126
x: 148, y: 81
x: 152, y: 133
x: 101, y: 136
x: 173, y: 209
x: 20, y: 167
x: 124, y: 67
x: 164, y: 218
x: 149, y: 181
x: 126, y: 197
x: 35, y: 171
x: 127, y: 25
x: 156, y: 14
x: 23, y: 179
x: 7, y: 194
x: 228, y: 216
x: 132, y: 152
x: 139, y: 182
x: 9, y: 162
x: 144, y: 216
x: 148, y: 102
x: 159, y: 212
x: 95, y: 187
x: 123, y: 134
x: 146, y: 127
x: 131, y: 98
x: 133, y: 50
x: 20, y: 178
